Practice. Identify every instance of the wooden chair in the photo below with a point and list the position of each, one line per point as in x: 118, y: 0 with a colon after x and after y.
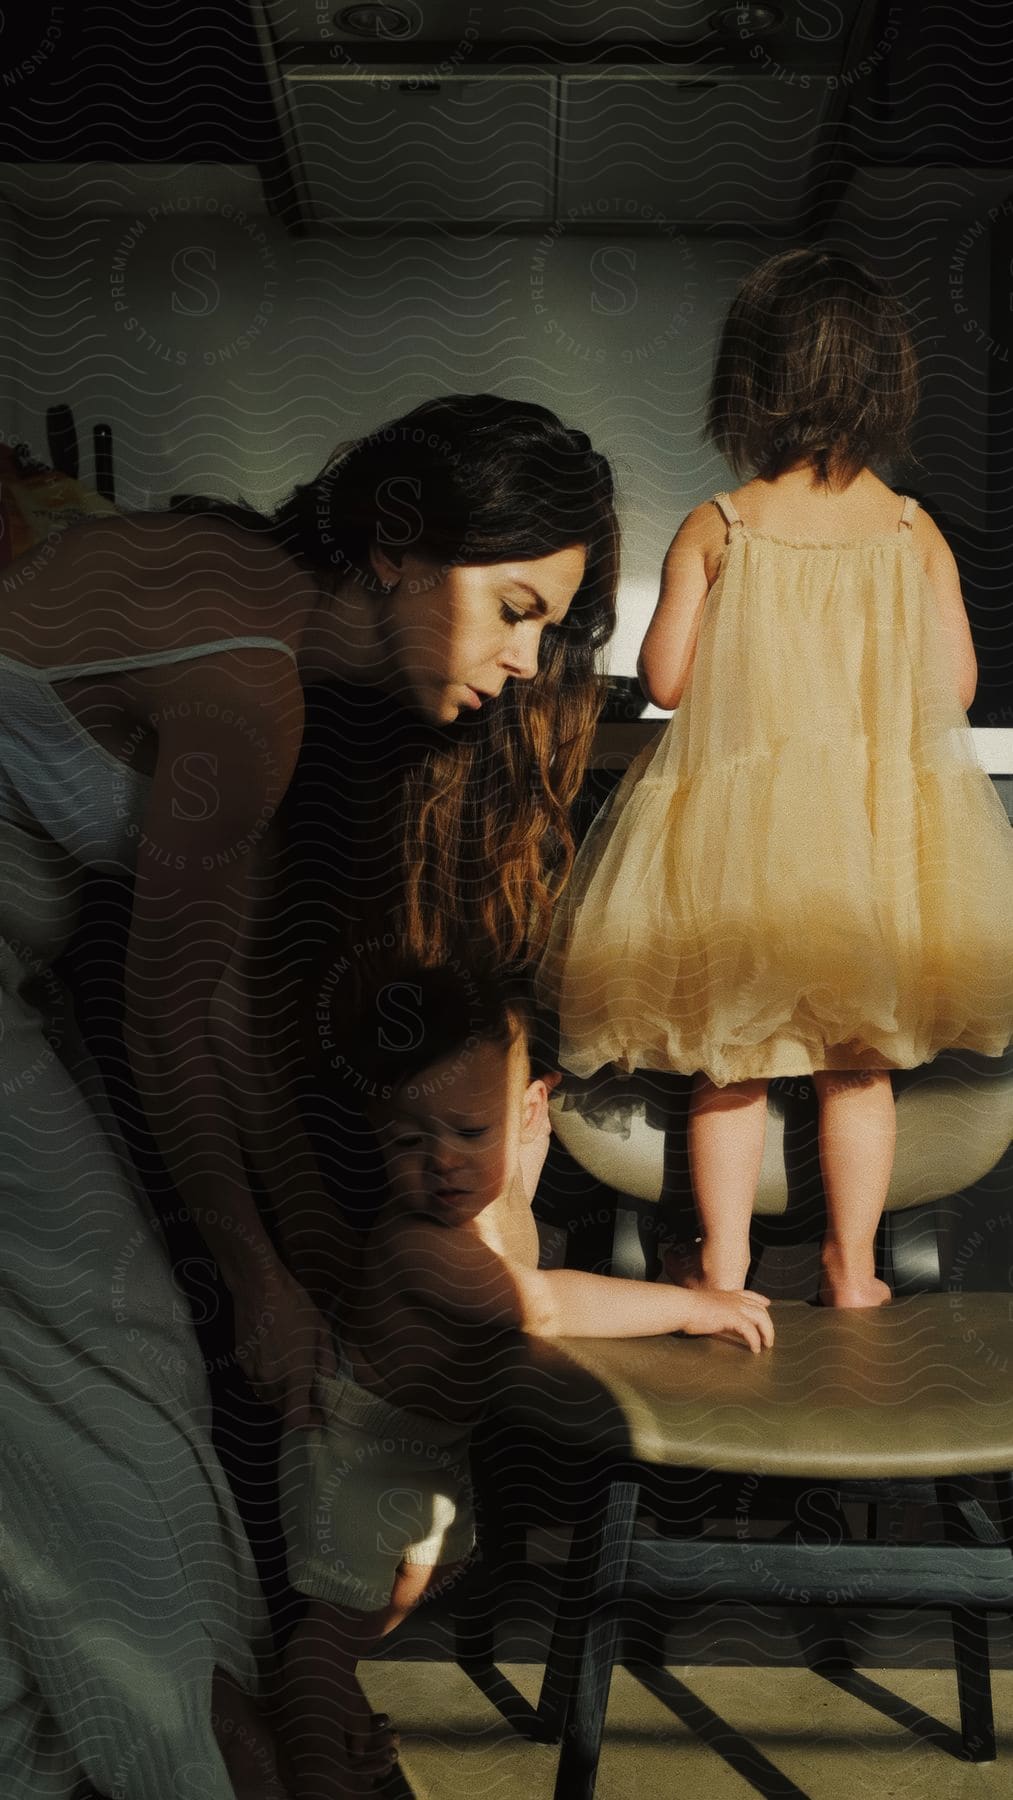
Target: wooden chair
x: 912, y: 1402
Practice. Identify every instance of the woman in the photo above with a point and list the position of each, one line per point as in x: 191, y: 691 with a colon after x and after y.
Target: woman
x: 396, y: 829
x: 153, y: 677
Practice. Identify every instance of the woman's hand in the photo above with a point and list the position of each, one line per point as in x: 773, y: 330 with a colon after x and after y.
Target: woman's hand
x: 282, y: 1342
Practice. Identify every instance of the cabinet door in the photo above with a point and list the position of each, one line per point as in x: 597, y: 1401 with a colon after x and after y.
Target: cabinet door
x: 392, y: 147
x: 707, y: 152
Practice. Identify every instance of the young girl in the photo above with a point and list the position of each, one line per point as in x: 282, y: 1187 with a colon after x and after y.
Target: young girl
x: 807, y: 873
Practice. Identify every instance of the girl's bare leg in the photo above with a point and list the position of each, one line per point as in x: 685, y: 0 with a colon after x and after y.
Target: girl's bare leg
x: 727, y: 1127
x: 333, y: 1745
x: 245, y: 1741
x: 858, y: 1139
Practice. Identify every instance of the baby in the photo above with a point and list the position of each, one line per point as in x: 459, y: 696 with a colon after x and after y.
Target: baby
x: 377, y: 1503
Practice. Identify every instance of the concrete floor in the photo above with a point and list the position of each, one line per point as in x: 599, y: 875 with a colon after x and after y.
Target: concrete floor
x: 733, y: 1715
x: 705, y: 1733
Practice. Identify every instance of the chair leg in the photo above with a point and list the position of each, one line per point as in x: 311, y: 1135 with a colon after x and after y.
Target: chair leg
x: 970, y: 1647
x: 475, y: 1610
x: 974, y: 1684
x: 824, y: 1646
x: 475, y: 1623
x: 907, y: 1252
x: 562, y: 1661
x: 1004, y: 1496
x: 585, y: 1723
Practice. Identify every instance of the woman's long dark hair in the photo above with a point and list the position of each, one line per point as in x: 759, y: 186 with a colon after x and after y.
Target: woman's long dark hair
x: 483, y: 817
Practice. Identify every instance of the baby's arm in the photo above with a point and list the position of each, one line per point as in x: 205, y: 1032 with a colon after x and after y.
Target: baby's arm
x: 456, y: 1274
x: 571, y: 1303
x: 668, y: 649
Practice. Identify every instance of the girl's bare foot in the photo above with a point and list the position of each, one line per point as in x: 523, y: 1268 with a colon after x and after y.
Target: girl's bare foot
x: 854, y: 1293
x: 850, y: 1280
x: 680, y: 1265
x: 710, y: 1267
x: 342, y: 1760
x: 369, y: 1743
x: 246, y: 1742
x: 333, y: 1746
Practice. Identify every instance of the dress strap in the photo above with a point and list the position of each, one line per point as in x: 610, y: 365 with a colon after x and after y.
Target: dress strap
x: 907, y: 517
x: 155, y: 659
x: 726, y: 507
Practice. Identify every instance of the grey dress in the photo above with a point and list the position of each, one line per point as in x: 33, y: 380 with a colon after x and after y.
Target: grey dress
x: 125, y: 1573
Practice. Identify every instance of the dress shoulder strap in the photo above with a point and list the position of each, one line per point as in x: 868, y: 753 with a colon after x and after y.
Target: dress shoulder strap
x: 158, y: 658
x: 908, y: 510
x: 726, y: 507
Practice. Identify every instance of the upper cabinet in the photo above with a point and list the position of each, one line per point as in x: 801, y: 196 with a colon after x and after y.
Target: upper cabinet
x: 699, y: 152
x: 403, y: 147
x: 397, y: 145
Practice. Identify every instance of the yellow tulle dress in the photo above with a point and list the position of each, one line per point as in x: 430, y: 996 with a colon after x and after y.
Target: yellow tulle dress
x: 807, y: 869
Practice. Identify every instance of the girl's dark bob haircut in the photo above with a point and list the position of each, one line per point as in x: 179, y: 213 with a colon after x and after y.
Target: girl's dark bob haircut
x: 815, y: 365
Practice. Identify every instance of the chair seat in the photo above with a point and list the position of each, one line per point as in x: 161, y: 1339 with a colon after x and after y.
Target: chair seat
x: 954, y: 1122
x: 919, y: 1388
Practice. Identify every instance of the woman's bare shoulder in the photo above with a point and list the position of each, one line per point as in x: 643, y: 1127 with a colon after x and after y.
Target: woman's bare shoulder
x: 169, y: 546
x: 152, y: 582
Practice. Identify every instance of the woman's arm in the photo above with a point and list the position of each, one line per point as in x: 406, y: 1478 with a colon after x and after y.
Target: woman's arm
x: 224, y: 760
x: 668, y: 649
x: 256, y: 1034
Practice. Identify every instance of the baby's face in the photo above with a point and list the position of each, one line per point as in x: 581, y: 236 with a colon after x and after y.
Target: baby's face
x: 451, y: 1137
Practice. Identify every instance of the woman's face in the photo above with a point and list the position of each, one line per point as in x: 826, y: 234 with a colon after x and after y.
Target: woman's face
x: 456, y: 636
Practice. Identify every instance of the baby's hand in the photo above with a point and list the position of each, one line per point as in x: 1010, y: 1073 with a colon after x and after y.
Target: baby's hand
x: 718, y: 1313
